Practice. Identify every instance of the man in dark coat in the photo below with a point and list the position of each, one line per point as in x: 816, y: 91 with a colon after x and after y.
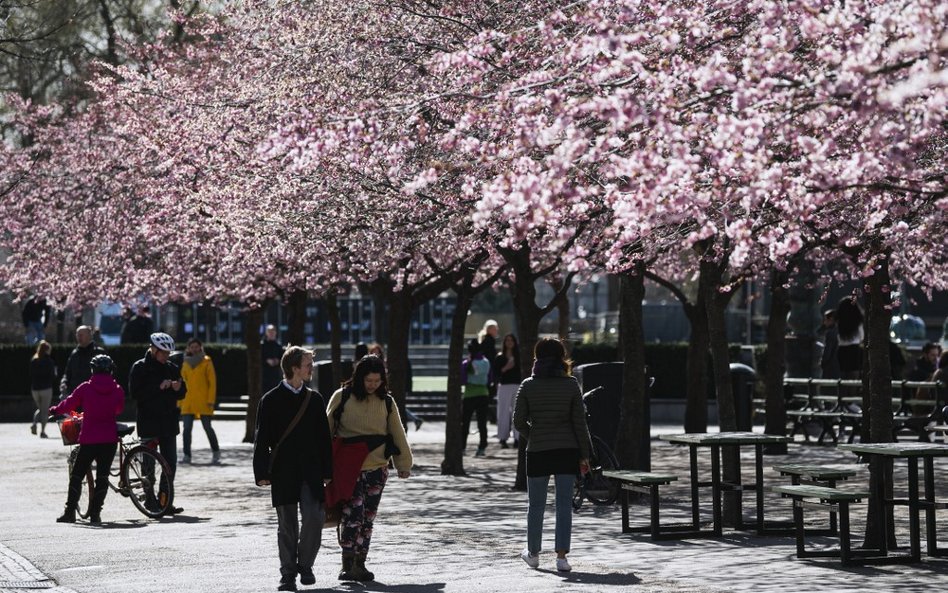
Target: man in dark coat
x: 271, y: 353
x: 295, y: 462
x: 35, y: 315
x: 138, y: 329
x: 156, y: 385
x: 78, y: 370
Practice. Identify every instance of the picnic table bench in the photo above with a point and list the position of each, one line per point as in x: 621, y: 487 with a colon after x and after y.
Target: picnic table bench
x: 816, y: 475
x: 645, y: 483
x: 836, y: 501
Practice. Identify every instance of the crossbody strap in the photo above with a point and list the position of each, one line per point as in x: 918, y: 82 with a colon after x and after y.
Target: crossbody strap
x: 296, y: 420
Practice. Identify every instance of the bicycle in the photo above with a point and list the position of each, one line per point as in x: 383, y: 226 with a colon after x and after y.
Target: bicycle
x: 592, y: 485
x: 140, y: 470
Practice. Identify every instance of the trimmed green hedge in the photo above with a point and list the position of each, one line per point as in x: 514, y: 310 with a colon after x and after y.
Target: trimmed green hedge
x: 666, y: 362
x: 230, y: 362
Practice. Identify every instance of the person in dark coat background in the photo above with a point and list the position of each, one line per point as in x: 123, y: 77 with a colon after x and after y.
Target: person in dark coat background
x: 78, y: 370
x: 138, y: 329
x: 156, y: 385
x: 271, y: 351
x: 296, y: 469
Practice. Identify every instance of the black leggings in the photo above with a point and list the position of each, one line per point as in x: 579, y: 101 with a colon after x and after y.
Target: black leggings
x: 471, y: 405
x: 102, y: 454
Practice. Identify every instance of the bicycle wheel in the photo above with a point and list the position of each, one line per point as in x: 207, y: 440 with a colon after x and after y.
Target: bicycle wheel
x: 85, y: 490
x: 600, y: 489
x: 146, y: 476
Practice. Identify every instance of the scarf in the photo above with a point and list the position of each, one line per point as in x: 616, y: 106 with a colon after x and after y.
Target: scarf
x: 548, y: 367
x: 194, y: 360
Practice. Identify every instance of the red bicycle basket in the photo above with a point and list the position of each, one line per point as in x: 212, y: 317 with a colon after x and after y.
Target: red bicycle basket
x: 69, y: 428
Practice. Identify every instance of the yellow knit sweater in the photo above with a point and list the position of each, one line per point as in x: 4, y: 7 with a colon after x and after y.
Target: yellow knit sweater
x: 369, y: 417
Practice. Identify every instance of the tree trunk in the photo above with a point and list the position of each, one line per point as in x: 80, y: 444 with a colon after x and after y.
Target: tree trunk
x: 716, y: 306
x: 562, y: 309
x: 399, y: 330
x: 696, y: 367
x: 253, y: 319
x: 879, y: 414
x: 528, y: 331
x: 296, y: 318
x: 335, y: 337
x: 453, y: 462
x: 776, y: 411
x: 632, y: 444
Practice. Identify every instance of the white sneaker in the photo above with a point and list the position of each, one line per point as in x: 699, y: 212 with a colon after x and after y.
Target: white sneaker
x: 532, y: 560
x: 562, y: 565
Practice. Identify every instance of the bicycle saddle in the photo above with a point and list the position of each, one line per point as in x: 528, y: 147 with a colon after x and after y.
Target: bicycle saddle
x: 124, y: 429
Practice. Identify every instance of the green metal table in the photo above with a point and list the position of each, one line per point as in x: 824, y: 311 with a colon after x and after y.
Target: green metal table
x: 714, y: 441
x: 887, y: 453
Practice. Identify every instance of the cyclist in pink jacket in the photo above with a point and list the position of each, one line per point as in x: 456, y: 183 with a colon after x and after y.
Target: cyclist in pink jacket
x: 101, y: 400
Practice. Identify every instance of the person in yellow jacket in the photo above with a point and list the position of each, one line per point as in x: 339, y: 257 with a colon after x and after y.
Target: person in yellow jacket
x: 197, y: 370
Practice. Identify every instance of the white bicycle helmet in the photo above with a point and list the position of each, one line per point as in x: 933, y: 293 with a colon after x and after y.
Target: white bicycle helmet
x: 162, y: 341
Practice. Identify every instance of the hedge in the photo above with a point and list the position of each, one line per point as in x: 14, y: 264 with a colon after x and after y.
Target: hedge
x: 229, y: 362
x: 666, y: 362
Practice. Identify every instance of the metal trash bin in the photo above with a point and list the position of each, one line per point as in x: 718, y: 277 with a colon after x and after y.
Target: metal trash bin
x: 743, y: 378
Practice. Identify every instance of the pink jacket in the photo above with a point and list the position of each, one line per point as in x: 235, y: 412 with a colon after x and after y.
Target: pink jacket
x: 101, y: 400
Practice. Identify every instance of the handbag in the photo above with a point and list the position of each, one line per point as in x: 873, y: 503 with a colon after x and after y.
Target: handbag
x: 296, y: 420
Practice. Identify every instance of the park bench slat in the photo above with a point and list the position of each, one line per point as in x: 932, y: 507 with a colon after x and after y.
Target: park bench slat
x: 639, y: 477
x: 815, y: 472
x: 821, y: 492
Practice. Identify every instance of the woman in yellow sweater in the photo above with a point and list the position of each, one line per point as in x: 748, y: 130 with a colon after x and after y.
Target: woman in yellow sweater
x: 363, y: 410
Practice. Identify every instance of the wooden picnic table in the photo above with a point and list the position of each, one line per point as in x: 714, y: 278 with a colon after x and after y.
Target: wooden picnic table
x: 887, y: 453
x: 714, y: 441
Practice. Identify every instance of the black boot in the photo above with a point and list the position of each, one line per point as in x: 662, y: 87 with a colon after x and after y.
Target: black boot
x: 359, y: 571
x: 348, y: 559
x: 68, y: 516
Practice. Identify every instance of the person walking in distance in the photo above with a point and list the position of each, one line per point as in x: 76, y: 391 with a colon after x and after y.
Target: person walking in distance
x: 549, y: 413
x: 292, y: 454
x: 35, y: 315
x: 42, y: 378
x: 507, y: 375
x: 271, y: 353
x: 475, y: 376
x: 101, y: 400
x: 77, y: 365
x: 363, y: 411
x: 156, y: 384
x: 197, y: 370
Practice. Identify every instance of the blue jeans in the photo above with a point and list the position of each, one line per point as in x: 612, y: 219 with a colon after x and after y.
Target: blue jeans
x: 536, y: 493
x: 35, y: 332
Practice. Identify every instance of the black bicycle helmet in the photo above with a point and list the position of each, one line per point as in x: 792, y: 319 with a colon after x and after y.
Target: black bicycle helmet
x: 102, y: 363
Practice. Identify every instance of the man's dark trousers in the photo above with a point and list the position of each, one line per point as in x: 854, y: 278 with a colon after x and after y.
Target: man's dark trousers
x: 298, y: 543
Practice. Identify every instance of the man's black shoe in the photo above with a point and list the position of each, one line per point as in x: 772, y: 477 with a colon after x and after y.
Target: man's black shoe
x: 306, y: 576
x: 287, y: 585
x: 175, y: 510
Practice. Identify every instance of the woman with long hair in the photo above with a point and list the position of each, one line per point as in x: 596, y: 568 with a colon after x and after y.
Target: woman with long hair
x: 549, y: 413
x: 363, y: 411
x: 849, y: 325
x: 507, y: 375
x: 42, y: 377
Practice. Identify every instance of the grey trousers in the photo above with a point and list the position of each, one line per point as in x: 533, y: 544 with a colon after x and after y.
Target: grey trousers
x: 299, y: 543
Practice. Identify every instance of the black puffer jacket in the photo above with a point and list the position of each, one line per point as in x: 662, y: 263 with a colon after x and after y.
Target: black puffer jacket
x: 157, y: 408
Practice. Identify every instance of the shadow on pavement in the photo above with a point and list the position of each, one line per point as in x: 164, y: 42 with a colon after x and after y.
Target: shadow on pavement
x: 118, y: 525
x: 184, y: 519
x: 405, y: 588
x: 594, y: 578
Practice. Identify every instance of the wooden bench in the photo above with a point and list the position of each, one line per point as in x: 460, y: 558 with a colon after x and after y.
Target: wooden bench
x: 643, y: 483
x: 837, y: 501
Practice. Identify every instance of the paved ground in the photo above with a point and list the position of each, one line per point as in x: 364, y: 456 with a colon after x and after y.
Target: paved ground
x: 434, y: 534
